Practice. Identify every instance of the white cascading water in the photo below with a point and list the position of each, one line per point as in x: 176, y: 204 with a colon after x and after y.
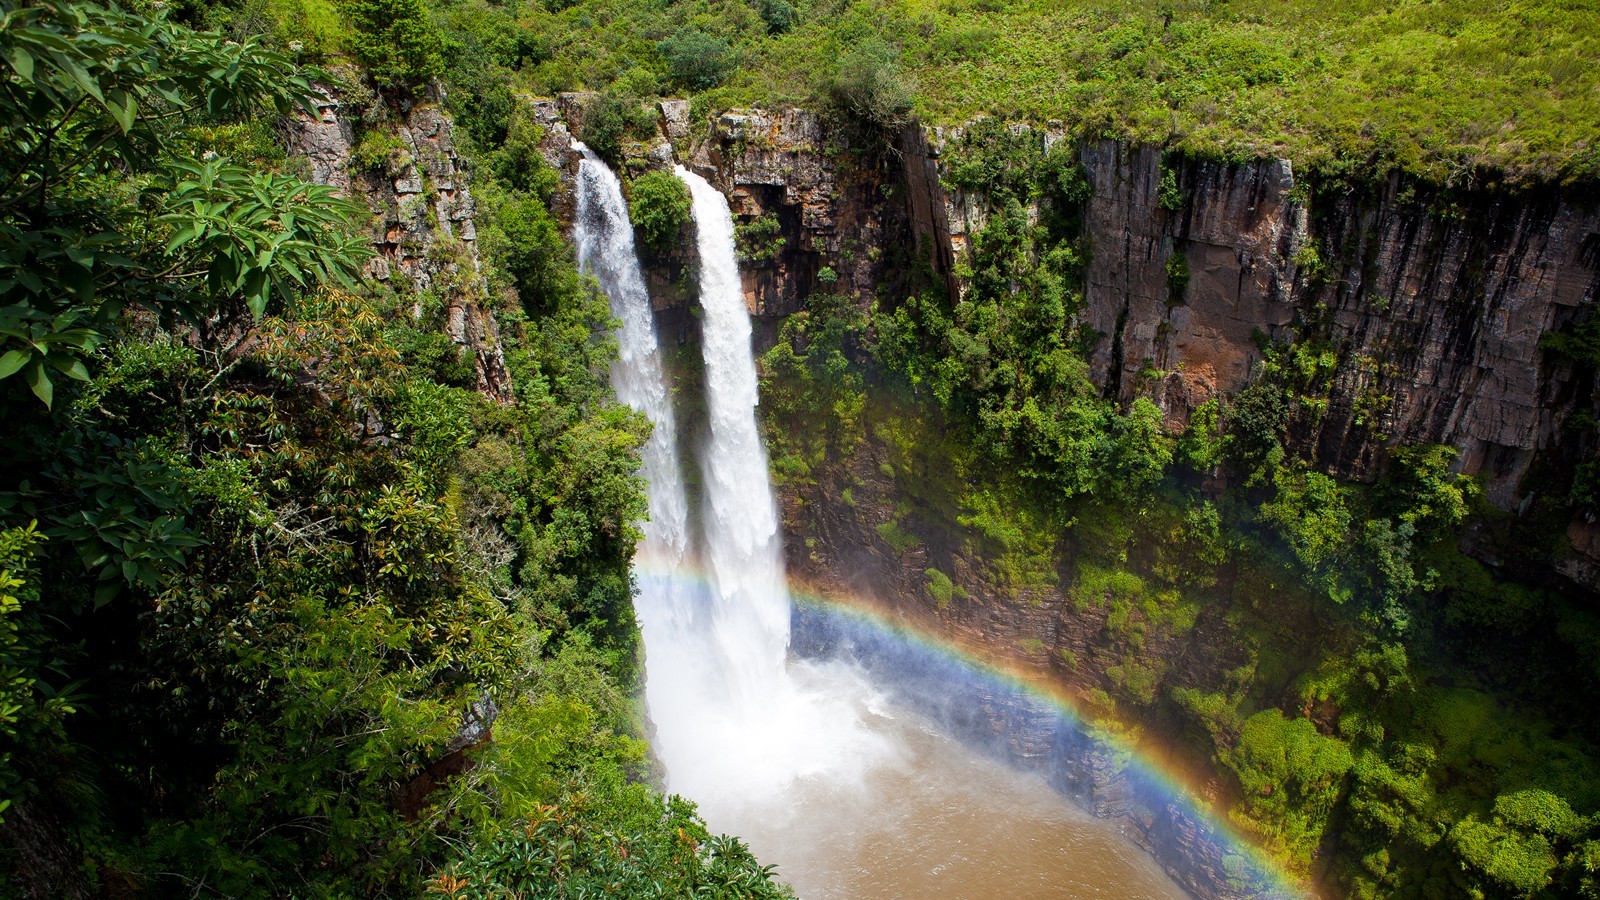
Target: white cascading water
x: 744, y: 562
x: 735, y: 727
x: 663, y: 565
x: 605, y: 249
x: 738, y: 733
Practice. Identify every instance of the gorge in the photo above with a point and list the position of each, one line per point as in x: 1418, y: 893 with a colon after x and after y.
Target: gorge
x: 853, y: 794
x: 969, y: 448
x: 850, y: 511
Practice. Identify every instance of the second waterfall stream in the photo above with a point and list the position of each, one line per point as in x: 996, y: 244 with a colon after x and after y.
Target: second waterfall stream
x: 737, y: 723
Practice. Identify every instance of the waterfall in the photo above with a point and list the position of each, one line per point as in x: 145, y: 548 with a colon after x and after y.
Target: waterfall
x: 666, y: 601
x: 747, y: 731
x: 801, y: 757
x: 744, y: 557
x: 739, y: 728
x: 605, y: 249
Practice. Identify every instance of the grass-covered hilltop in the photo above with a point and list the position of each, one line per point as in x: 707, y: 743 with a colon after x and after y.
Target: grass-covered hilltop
x: 1451, y: 89
x: 317, y: 506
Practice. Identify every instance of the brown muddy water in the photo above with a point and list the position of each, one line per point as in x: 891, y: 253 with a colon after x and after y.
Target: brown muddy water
x: 936, y: 819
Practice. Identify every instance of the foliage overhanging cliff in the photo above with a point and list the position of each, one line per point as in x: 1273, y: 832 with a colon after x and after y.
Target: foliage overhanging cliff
x: 314, y: 552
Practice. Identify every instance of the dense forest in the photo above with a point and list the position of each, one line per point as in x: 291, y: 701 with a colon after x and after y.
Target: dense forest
x: 291, y: 605
x: 270, y: 560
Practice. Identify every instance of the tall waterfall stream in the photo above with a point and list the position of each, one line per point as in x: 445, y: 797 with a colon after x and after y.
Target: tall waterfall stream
x: 806, y: 759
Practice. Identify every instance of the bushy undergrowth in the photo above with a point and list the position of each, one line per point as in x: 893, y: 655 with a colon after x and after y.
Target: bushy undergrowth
x: 288, y: 607
x: 1449, y: 90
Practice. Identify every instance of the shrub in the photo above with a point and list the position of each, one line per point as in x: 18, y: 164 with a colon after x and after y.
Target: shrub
x: 1309, y: 511
x: 379, y: 153
x: 314, y: 23
x: 659, y: 207
x: 759, y: 240
x: 396, y: 41
x: 1177, y: 277
x: 518, y: 163
x: 697, y: 60
x: 1169, y: 196
x: 780, y: 15
x: 1427, y: 495
x: 897, y: 537
x: 1202, y: 445
x: 941, y: 588
x: 608, y: 119
x: 1292, y: 777
x: 869, y: 86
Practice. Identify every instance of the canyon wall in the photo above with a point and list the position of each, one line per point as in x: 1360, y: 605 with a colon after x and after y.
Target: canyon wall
x: 1433, y: 303
x: 1432, y: 306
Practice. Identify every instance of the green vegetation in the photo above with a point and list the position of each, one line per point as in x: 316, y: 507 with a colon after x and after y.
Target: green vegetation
x: 696, y: 60
x: 815, y: 380
x: 288, y: 607
x: 1451, y: 90
x: 395, y: 41
x: 270, y: 564
x: 1291, y: 776
x: 759, y: 240
x: 942, y: 589
x: 868, y: 85
x: 379, y: 152
x: 659, y: 206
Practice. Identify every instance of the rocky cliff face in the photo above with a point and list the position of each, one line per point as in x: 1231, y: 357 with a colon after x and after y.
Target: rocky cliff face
x: 1434, y: 305
x: 422, y: 227
x: 839, y: 204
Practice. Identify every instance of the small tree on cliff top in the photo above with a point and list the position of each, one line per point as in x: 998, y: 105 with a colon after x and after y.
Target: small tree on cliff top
x: 869, y: 86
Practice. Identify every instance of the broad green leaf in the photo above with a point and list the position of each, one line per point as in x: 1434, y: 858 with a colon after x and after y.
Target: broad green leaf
x: 41, y: 37
x: 12, y: 361
x: 185, y: 236
x: 256, y: 293
x: 69, y: 366
x: 80, y: 75
x: 40, y: 383
x: 22, y: 62
x: 122, y: 108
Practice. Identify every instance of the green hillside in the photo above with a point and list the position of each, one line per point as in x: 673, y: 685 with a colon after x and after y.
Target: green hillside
x: 1439, y: 87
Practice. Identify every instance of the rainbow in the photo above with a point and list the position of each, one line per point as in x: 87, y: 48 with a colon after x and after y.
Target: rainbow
x: 1000, y: 699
